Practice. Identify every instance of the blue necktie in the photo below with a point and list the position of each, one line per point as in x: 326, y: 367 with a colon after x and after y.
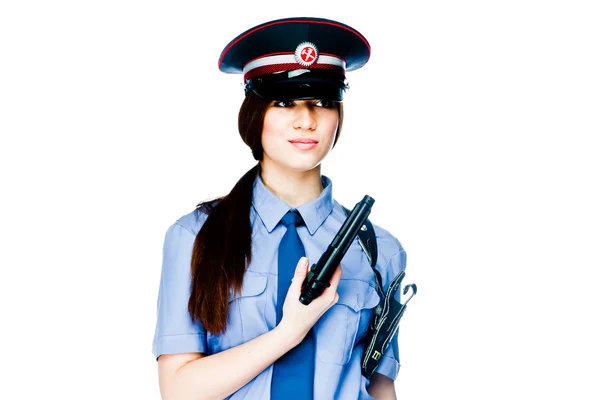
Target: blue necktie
x: 293, y: 373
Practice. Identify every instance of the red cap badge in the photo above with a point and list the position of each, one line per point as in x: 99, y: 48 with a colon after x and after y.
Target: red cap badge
x: 306, y: 54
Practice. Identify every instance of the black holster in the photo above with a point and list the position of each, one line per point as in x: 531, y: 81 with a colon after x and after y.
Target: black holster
x: 386, y: 316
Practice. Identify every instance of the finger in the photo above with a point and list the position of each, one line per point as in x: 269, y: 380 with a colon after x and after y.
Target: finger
x: 335, y: 278
x: 334, y: 282
x: 300, y: 272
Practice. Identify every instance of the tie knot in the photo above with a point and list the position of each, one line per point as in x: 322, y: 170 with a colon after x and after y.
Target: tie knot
x: 292, y: 218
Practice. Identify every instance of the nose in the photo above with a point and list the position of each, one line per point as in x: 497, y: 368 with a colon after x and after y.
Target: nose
x: 304, y: 118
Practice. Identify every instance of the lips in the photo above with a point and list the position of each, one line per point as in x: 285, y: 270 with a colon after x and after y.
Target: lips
x: 306, y: 141
x: 304, y: 144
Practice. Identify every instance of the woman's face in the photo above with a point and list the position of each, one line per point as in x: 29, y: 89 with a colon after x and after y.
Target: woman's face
x: 299, y: 134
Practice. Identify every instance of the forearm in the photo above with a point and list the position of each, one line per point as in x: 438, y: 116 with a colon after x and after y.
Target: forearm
x: 219, y: 375
x: 382, y: 388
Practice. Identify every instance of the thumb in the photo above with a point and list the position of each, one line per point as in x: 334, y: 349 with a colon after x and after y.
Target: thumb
x: 300, y: 273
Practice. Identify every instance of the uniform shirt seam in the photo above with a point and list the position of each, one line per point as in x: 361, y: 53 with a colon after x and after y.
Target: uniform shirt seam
x: 185, y: 228
x: 391, y: 258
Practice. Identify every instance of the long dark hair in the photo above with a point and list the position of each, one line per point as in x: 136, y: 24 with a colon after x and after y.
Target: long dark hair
x: 223, y: 247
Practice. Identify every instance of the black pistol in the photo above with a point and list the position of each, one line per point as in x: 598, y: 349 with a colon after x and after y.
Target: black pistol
x: 317, y: 279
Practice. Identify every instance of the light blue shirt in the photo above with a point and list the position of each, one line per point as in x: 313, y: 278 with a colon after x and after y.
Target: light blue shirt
x: 337, y: 332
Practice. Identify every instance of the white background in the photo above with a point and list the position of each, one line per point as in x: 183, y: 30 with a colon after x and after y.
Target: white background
x: 474, y: 126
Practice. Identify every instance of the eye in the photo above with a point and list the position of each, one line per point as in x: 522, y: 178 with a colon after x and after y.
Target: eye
x: 283, y: 103
x: 323, y: 103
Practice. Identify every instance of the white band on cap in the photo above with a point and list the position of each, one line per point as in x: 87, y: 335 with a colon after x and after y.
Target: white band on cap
x: 287, y: 59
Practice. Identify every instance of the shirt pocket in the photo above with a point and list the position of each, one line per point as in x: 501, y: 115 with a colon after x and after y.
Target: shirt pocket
x: 342, y: 326
x: 246, y: 314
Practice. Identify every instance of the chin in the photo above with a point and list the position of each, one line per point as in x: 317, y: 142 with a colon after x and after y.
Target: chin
x: 295, y: 161
x: 299, y: 165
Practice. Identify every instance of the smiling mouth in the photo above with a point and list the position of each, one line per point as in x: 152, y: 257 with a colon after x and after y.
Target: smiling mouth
x: 304, y: 145
x: 304, y: 141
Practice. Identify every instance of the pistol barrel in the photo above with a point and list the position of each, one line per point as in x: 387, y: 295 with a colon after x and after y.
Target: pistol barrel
x: 321, y: 272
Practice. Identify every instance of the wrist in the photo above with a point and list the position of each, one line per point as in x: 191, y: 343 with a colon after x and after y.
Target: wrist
x: 288, y: 336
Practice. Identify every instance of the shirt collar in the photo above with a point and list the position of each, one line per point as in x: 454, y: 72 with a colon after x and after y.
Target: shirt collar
x: 271, y: 208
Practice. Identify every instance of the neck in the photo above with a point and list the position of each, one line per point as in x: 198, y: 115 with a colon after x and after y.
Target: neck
x: 293, y: 187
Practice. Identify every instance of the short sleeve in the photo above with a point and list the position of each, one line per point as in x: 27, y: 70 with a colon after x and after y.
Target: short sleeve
x: 175, y: 332
x: 389, y: 364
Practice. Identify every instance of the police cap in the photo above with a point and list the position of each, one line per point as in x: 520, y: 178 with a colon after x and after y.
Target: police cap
x: 296, y: 58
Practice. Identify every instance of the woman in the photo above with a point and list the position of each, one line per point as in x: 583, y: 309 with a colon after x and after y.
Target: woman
x: 229, y: 320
